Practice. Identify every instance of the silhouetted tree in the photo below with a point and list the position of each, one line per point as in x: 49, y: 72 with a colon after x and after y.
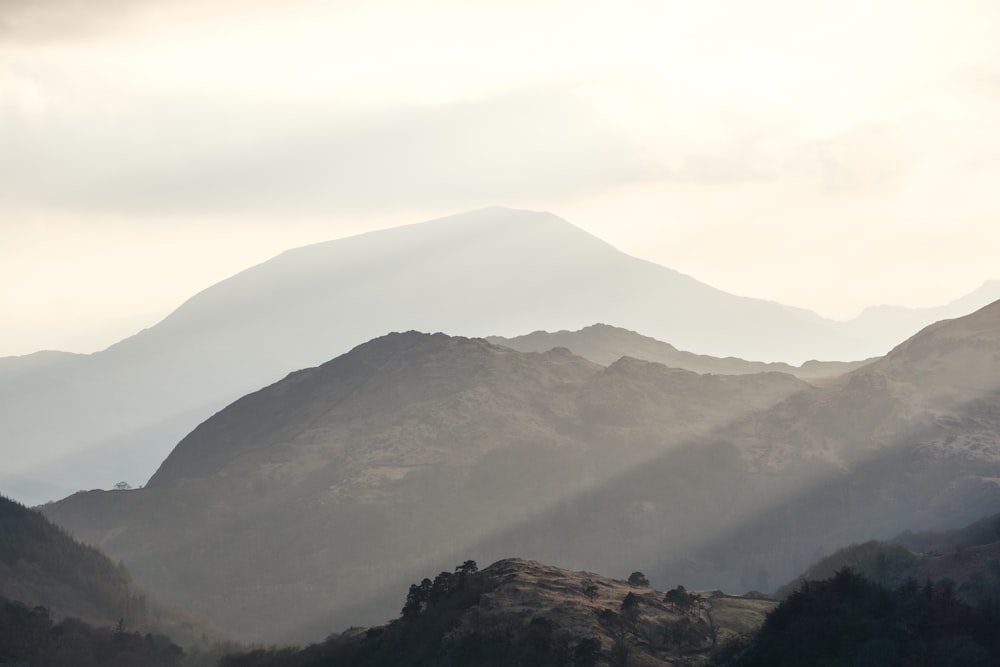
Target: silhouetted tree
x: 630, y: 608
x: 638, y: 580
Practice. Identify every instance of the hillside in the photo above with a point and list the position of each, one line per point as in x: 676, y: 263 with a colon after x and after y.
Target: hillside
x: 303, y: 495
x: 518, y: 612
x: 487, y: 272
x: 604, y: 344
x: 42, y: 566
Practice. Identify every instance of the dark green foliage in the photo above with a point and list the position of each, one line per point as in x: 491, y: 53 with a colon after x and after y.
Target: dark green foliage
x: 29, y: 636
x: 850, y: 620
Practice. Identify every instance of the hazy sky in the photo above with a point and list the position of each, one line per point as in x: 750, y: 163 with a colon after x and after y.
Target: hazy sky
x: 829, y: 155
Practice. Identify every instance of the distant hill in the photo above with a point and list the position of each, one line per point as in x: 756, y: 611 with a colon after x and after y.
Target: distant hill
x: 42, y: 566
x: 303, y: 496
x: 83, y: 421
x: 605, y: 344
x: 518, y: 612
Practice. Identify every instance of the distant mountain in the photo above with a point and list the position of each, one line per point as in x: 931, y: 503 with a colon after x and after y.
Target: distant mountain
x: 42, y: 566
x: 897, y: 322
x: 321, y: 493
x: 518, y: 612
x: 605, y: 344
x: 84, y: 421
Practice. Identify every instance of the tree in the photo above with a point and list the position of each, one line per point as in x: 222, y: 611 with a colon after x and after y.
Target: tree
x: 630, y: 608
x: 466, y: 568
x: 590, y: 590
x: 417, y: 599
x: 680, y: 599
x: 638, y: 580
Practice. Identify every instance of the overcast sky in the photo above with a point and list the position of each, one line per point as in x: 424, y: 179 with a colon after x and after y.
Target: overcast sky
x: 830, y: 155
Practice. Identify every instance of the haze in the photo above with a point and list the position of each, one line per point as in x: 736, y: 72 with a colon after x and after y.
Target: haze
x: 829, y: 155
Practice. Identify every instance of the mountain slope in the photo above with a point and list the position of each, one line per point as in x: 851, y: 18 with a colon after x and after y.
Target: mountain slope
x: 493, y: 271
x: 303, y: 495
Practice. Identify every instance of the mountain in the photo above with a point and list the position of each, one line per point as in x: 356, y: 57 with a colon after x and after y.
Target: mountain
x: 897, y: 322
x: 85, y: 421
x: 303, y: 496
x: 518, y: 612
x: 908, y: 441
x: 604, y: 344
x: 42, y: 566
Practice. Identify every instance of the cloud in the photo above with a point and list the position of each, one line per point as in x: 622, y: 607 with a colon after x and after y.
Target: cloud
x: 48, y: 20
x: 222, y: 155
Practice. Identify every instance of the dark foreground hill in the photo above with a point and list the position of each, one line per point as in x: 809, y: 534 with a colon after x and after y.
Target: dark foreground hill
x: 323, y: 492
x: 849, y: 620
x: 63, y: 600
x: 518, y: 612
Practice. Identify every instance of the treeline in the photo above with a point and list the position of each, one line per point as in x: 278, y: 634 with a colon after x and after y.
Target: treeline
x: 852, y: 621
x: 28, y: 636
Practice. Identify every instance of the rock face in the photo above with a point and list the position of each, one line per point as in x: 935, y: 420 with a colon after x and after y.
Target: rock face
x: 494, y: 271
x: 328, y: 488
